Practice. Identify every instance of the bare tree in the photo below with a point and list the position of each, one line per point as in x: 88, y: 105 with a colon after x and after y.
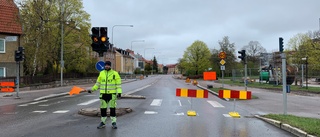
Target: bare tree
x: 253, y: 51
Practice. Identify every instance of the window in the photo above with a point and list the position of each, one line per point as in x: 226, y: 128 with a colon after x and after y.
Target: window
x: 2, y: 46
x: 2, y: 72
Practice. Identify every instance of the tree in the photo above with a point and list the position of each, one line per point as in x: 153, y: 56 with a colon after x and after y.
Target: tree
x: 155, y: 64
x: 42, y: 20
x: 196, y: 58
x: 253, y: 51
x: 301, y: 46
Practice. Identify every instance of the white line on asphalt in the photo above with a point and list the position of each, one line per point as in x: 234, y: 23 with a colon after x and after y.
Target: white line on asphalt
x: 179, y: 103
x: 39, y: 111
x: 189, y: 101
x: 156, y: 102
x: 44, y: 105
x: 215, y: 104
x: 179, y: 114
x: 32, y: 103
x: 226, y: 115
x: 136, y: 90
x: 88, y: 102
x: 150, y: 112
x: 61, y: 111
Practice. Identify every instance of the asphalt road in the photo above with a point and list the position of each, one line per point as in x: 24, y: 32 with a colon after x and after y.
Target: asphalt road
x: 161, y: 114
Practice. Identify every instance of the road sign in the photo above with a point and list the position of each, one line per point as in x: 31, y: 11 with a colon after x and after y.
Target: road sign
x: 222, y: 67
x: 222, y: 62
x: 222, y: 55
x: 100, y: 65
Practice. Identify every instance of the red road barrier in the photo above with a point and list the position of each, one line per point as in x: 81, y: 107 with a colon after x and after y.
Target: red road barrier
x: 197, y: 93
x: 242, y: 94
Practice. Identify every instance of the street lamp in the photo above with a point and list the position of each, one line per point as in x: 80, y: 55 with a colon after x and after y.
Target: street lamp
x: 136, y: 41
x: 119, y: 26
x: 144, y: 56
x: 306, y: 59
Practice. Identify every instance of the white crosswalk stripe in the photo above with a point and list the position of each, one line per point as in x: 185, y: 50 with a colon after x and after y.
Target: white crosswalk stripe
x: 215, y: 104
x: 156, y: 102
x: 150, y: 112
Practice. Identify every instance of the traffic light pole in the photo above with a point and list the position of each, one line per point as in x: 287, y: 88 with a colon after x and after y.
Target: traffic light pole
x: 284, y: 83
x: 245, y: 74
x: 17, y: 79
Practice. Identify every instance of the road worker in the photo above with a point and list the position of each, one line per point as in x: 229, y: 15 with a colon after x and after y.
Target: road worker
x: 109, y: 83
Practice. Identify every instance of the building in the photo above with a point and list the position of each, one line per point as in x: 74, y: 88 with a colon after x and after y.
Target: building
x: 173, y: 69
x: 10, y: 38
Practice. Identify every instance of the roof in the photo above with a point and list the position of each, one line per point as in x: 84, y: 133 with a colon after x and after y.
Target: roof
x: 9, y: 15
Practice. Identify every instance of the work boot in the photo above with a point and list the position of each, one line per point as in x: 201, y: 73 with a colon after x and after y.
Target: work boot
x: 101, y: 125
x: 114, y: 125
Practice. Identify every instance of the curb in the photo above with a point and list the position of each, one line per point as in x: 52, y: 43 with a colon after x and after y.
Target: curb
x: 286, y: 127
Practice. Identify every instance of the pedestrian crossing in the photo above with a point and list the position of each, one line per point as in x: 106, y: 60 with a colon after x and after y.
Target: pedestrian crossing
x: 153, y: 104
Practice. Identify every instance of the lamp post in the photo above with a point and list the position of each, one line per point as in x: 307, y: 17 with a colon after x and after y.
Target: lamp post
x: 136, y: 41
x: 306, y: 59
x: 118, y: 26
x: 61, y: 62
x: 144, y: 56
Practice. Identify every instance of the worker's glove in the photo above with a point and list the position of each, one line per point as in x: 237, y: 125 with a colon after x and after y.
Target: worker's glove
x: 119, y: 95
x: 89, y: 91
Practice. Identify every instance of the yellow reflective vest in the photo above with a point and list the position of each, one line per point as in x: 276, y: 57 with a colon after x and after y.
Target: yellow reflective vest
x: 109, y: 82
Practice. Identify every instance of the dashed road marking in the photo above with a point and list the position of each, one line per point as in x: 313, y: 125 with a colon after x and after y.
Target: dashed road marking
x: 136, y: 90
x: 39, y: 111
x: 61, y: 111
x: 226, y: 115
x: 179, y: 103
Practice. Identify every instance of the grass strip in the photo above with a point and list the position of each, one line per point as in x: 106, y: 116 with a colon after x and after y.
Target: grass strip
x: 309, y: 125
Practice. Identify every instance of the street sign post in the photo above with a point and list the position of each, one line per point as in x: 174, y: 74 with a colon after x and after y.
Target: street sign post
x: 100, y: 65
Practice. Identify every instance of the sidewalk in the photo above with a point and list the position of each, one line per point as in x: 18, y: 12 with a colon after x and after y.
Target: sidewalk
x: 26, y: 95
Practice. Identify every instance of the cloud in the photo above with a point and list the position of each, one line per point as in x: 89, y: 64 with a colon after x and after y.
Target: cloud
x: 170, y: 26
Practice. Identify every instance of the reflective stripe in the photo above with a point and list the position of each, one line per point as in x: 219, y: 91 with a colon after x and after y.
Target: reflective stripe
x: 111, y: 84
x: 111, y: 88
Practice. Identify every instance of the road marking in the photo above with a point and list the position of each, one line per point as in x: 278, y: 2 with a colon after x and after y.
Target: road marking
x: 136, y: 90
x: 179, y: 114
x: 32, y: 103
x: 61, y: 111
x: 150, y: 112
x: 156, y: 102
x: 39, y: 111
x: 215, y: 104
x: 226, y: 115
x: 179, y: 103
x: 88, y: 102
x: 189, y: 101
x: 45, y: 105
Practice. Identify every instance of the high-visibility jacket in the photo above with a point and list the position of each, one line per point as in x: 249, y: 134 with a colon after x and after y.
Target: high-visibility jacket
x: 109, y: 82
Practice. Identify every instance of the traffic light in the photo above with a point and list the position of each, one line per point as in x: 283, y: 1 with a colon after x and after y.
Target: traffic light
x: 104, y: 39
x: 242, y: 55
x: 281, y: 44
x: 95, y: 36
x: 19, y: 54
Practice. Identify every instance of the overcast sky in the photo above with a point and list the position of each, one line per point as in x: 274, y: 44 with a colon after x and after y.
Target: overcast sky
x: 170, y: 26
